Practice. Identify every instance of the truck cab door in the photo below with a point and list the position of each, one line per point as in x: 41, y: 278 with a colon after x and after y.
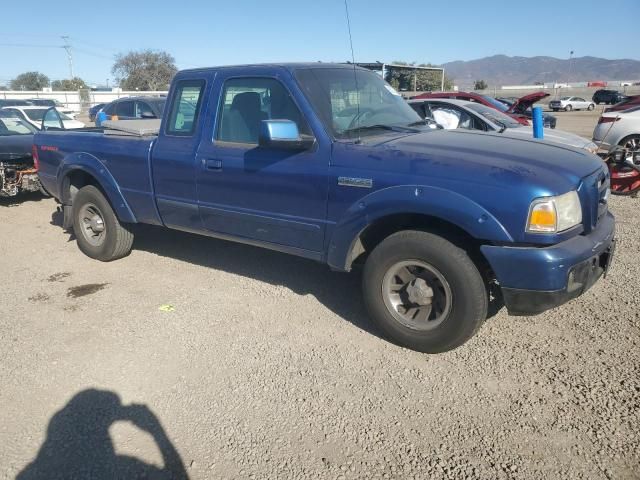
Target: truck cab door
x: 264, y: 194
x: 174, y: 161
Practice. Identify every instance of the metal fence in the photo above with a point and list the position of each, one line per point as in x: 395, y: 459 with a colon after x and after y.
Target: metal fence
x: 78, y: 101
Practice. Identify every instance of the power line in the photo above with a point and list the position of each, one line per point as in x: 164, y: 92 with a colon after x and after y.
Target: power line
x: 67, y: 48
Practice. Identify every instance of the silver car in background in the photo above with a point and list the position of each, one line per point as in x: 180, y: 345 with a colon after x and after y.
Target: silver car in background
x: 571, y: 103
x: 451, y: 114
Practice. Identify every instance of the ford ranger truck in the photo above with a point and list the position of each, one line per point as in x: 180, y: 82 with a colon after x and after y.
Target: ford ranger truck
x: 329, y: 163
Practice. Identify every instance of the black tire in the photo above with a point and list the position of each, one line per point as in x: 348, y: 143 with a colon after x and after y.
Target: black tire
x: 630, y: 142
x: 591, y: 107
x: 469, y: 298
x: 113, y: 241
x: 568, y: 108
x: 554, y: 109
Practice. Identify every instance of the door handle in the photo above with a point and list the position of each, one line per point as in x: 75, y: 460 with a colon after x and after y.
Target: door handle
x: 210, y: 164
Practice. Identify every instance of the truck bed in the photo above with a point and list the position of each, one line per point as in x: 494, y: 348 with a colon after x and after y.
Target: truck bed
x: 123, y: 157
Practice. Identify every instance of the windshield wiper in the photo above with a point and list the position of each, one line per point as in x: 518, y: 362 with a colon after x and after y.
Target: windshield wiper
x: 391, y: 128
x: 503, y: 127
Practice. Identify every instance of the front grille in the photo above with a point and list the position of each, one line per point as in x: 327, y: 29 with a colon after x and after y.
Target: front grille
x: 594, y: 197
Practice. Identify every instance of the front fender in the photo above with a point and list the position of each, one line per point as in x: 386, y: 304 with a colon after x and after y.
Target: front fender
x: 411, y: 199
x: 94, y: 167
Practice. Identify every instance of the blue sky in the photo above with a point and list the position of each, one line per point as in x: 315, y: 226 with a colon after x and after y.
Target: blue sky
x: 212, y: 32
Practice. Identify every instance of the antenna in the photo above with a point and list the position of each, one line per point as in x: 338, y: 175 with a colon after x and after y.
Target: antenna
x: 67, y: 48
x: 353, y: 62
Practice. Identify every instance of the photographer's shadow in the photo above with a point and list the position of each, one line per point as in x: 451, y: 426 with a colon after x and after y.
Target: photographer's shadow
x: 78, y: 444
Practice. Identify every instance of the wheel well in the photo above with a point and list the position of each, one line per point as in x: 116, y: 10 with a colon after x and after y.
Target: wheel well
x: 625, y: 139
x: 74, y: 182
x: 375, y: 233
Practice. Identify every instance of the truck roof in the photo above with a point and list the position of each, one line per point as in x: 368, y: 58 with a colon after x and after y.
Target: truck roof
x: 288, y: 66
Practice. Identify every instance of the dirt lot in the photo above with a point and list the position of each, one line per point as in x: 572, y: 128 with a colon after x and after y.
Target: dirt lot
x: 235, y: 362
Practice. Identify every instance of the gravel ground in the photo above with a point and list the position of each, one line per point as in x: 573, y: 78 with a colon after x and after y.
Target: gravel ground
x: 235, y: 362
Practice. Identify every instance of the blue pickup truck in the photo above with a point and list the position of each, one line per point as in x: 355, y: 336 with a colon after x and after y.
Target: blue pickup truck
x: 328, y: 162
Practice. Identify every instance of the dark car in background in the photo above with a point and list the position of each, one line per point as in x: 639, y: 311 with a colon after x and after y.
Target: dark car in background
x: 524, y: 105
x: 629, y: 102
x: 93, y: 111
x: 610, y: 97
x: 12, y: 102
x: 132, y: 108
x: 17, y: 170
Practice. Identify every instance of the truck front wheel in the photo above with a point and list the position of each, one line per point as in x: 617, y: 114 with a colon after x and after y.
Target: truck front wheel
x: 98, y: 231
x: 424, y: 292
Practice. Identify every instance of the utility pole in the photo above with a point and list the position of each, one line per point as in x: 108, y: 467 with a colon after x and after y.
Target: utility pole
x: 570, y: 65
x: 67, y: 48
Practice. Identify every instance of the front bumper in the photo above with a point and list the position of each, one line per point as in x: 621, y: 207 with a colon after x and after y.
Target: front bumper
x: 534, y: 279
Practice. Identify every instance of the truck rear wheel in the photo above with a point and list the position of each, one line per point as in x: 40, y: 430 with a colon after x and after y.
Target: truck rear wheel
x: 98, y: 231
x: 424, y: 292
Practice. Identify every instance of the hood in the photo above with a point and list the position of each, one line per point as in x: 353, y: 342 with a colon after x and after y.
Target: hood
x: 14, y: 147
x: 556, y: 136
x: 527, y: 101
x: 479, y: 158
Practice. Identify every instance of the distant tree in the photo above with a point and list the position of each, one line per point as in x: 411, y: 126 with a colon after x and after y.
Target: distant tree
x: 480, y: 85
x: 422, y: 80
x: 73, y: 85
x: 144, y: 70
x: 3, y: 88
x: 30, y: 81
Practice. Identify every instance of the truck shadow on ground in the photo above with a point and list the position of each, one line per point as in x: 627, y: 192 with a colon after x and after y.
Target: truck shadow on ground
x: 78, y: 443
x: 339, y: 292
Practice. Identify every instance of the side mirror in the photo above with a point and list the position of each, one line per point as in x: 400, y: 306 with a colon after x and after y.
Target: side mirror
x: 51, y: 120
x: 147, y: 115
x: 282, y: 134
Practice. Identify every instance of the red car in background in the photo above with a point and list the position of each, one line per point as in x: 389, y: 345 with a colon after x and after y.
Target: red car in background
x: 516, y: 110
x: 629, y: 102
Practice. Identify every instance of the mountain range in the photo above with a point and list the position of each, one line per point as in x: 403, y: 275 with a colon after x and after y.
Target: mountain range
x: 500, y: 70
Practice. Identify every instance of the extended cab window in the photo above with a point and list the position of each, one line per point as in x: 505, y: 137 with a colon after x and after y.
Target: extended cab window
x: 248, y: 101
x: 185, y: 107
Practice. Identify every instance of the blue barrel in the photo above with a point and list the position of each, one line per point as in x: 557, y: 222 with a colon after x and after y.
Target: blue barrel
x: 538, y: 123
x: 100, y: 117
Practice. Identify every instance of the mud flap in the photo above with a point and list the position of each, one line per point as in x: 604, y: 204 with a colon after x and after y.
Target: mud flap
x: 67, y: 218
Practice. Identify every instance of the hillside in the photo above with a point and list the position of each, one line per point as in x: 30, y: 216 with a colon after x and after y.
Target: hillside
x: 503, y: 70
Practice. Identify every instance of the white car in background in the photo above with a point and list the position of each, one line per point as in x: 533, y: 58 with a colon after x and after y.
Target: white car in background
x: 33, y: 115
x: 452, y: 114
x: 48, y: 102
x: 571, y: 103
x: 618, y: 128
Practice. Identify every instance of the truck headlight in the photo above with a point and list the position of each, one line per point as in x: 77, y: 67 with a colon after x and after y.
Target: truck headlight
x: 554, y: 214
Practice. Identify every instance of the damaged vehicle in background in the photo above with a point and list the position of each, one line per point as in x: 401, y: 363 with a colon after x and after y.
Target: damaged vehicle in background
x: 18, y: 173
x: 454, y: 114
x: 524, y: 105
x: 516, y: 109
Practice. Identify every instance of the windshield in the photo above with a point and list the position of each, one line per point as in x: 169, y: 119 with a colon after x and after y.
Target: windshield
x: 496, y: 103
x: 565, y: 98
x: 36, y: 114
x: 493, y: 115
x: 345, y: 110
x: 15, y: 126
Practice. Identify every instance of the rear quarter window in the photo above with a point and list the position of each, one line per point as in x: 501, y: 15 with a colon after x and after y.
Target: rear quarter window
x: 185, y: 107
